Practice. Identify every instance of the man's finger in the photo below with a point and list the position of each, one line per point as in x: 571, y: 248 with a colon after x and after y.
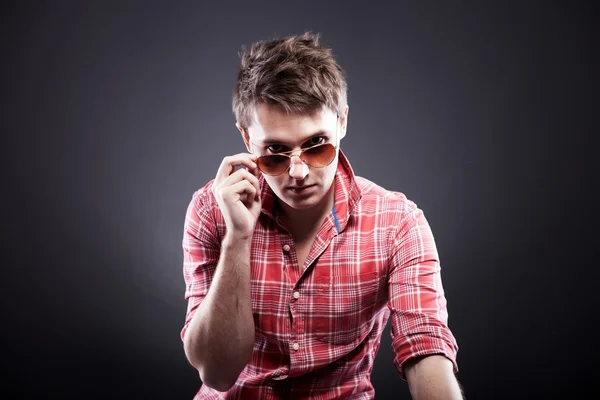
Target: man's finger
x: 229, y: 163
x: 239, y: 175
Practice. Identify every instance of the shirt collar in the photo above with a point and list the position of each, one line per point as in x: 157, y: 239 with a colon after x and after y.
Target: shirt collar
x: 347, y: 193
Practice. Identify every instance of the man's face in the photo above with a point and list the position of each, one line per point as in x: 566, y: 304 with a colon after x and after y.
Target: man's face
x: 273, y: 131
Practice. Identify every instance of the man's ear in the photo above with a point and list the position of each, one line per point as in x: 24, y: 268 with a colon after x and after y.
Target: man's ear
x: 344, y: 123
x: 245, y: 137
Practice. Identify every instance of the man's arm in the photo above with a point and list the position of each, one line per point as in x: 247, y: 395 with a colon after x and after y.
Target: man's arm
x: 421, y: 338
x: 432, y: 378
x: 219, y: 339
x: 219, y: 336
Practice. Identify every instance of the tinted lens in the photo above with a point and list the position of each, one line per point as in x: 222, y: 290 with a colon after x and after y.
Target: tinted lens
x: 273, y: 164
x: 319, y: 156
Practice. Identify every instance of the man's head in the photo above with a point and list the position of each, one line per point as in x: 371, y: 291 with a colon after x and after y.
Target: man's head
x: 290, y: 95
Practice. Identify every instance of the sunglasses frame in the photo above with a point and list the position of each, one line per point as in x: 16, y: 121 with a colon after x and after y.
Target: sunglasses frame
x: 290, y: 154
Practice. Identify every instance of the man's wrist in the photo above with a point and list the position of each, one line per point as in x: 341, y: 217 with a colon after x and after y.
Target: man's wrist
x: 232, y: 240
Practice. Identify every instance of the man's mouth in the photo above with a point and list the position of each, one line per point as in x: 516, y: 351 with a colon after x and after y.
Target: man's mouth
x: 300, y: 189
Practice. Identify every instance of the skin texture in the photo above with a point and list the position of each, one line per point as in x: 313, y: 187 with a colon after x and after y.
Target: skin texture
x: 432, y: 378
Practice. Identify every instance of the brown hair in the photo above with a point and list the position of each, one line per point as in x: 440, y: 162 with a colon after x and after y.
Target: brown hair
x: 295, y: 72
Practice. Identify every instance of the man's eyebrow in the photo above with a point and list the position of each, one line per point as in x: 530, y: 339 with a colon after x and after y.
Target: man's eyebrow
x: 267, y: 142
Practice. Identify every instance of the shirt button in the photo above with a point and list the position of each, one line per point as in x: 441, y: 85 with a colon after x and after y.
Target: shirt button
x: 296, y: 346
x: 296, y: 295
x: 286, y: 247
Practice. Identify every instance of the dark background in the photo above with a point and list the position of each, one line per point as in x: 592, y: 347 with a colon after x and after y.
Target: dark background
x: 114, y: 113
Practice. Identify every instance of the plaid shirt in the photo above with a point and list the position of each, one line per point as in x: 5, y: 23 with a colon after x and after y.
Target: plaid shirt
x: 318, y: 326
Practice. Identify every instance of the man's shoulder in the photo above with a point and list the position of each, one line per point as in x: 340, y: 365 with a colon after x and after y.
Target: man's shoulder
x: 390, y: 199
x: 203, y: 197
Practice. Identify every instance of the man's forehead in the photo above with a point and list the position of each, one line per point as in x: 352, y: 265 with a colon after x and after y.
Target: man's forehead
x: 270, y: 124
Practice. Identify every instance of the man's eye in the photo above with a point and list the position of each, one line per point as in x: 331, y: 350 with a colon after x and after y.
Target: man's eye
x: 317, y: 140
x: 275, y: 148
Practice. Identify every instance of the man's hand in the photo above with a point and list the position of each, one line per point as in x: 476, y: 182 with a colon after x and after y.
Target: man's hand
x: 432, y: 378
x: 238, y: 194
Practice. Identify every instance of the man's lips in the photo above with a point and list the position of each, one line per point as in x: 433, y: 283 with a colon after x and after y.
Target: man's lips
x: 299, y: 187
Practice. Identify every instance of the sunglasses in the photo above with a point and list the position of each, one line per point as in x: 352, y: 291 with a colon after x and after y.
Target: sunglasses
x: 318, y: 156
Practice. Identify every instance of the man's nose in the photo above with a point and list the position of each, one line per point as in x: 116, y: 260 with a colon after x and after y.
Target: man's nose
x: 298, y: 169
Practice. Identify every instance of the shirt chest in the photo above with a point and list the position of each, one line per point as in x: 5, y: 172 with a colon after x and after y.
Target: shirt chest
x: 331, y: 300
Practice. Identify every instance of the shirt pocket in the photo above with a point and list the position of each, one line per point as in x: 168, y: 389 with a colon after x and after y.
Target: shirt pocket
x: 344, y: 306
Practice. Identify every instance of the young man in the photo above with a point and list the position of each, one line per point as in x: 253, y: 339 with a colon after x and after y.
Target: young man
x: 293, y: 264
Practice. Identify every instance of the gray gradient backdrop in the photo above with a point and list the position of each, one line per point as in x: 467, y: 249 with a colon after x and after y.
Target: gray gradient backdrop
x: 116, y: 112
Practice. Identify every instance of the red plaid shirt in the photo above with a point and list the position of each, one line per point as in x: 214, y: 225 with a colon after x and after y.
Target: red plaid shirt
x: 318, y: 326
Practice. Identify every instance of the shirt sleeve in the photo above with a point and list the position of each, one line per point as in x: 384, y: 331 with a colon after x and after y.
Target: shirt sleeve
x: 201, y: 249
x: 419, y: 316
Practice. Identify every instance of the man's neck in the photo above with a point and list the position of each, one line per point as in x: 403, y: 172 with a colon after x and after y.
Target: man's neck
x: 305, y: 223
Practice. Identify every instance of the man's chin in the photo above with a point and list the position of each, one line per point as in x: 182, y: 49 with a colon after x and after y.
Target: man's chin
x: 300, y: 202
